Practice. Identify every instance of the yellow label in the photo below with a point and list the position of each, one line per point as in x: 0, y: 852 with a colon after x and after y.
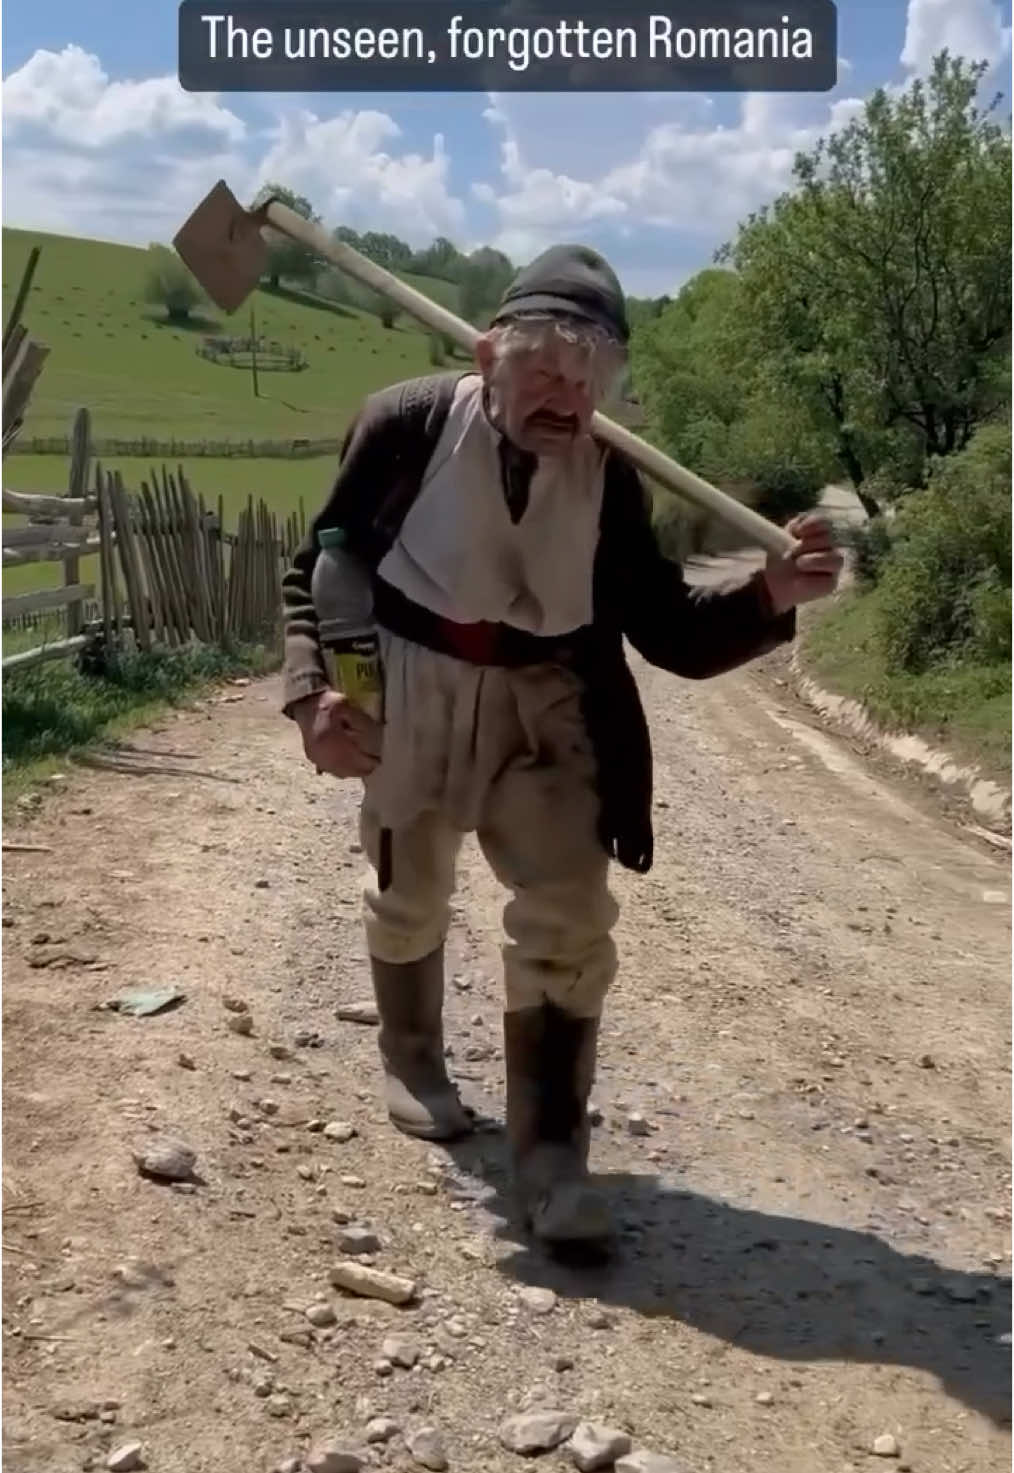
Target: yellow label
x: 357, y: 675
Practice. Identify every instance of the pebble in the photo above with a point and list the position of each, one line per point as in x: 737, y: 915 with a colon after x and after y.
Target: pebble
x: 372, y: 1283
x: 185, y: 1061
x: 381, y: 1429
x: 637, y: 1125
x: 279, y: 1406
x: 885, y: 1446
x: 427, y: 1448
x: 240, y: 1023
x: 339, y: 1130
x: 321, y: 1315
x: 643, y: 1461
x: 168, y: 1160
x: 355, y: 1240
x: 330, y: 1458
x: 764, y: 1399
x: 598, y: 1319
x: 279, y: 1051
x: 700, y: 1400
x: 288, y: 1465
x: 358, y: 1012
x: 234, y: 1005
x: 594, y: 1446
x: 563, y: 1363
x: 400, y: 1350
x: 243, y: 1075
x: 539, y: 1301
x: 536, y: 1432
x: 125, y: 1458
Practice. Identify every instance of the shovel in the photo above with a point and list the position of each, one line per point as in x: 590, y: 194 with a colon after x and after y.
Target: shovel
x: 222, y: 245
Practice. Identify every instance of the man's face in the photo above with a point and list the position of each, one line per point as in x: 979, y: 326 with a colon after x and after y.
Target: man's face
x: 546, y: 382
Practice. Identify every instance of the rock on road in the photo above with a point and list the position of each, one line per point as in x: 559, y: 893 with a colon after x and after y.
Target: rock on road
x: 803, y: 1107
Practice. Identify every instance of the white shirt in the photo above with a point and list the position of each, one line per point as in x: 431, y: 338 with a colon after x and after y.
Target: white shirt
x: 458, y: 552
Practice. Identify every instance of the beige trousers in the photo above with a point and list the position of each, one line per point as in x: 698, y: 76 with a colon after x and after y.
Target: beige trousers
x: 516, y: 767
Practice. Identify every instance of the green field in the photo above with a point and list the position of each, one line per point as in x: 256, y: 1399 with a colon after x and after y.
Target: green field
x: 138, y: 375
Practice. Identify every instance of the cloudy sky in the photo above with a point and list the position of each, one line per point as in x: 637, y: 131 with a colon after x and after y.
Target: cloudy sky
x: 99, y: 140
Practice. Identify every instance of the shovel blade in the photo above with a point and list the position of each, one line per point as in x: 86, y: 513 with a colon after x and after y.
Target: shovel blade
x: 222, y: 245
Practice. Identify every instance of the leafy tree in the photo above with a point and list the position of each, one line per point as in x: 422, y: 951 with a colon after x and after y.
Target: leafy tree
x: 882, y: 284
x: 288, y: 258
x: 442, y: 259
x: 168, y: 283
x: 368, y: 300
x: 484, y: 277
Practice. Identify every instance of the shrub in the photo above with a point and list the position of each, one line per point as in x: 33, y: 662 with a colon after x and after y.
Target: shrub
x: 870, y: 546
x: 945, y: 589
x: 169, y: 284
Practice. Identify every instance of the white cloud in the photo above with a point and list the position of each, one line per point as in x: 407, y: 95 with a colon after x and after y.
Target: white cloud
x: 689, y: 174
x: 129, y: 160
x: 344, y: 165
x: 969, y: 28
x: 68, y: 96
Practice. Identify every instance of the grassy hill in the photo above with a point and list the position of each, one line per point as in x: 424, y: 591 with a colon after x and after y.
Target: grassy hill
x: 140, y: 375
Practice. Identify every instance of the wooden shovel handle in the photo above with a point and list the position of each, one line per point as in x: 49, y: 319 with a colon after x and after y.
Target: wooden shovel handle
x: 757, y: 529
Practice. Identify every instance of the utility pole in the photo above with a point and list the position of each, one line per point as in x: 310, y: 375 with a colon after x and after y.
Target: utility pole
x: 253, y: 354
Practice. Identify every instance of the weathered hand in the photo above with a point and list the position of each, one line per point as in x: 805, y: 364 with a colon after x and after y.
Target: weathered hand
x: 811, y: 570
x: 337, y: 737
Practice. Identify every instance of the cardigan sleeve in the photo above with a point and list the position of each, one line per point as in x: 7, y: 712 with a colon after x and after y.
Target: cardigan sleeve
x: 304, y: 672
x: 692, y: 632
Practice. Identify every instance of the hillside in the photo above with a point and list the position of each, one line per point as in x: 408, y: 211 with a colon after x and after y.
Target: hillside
x: 142, y: 376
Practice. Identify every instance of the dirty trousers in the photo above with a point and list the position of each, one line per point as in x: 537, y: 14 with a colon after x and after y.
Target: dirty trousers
x: 503, y: 754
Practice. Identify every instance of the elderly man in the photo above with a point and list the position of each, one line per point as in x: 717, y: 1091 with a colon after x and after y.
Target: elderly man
x: 511, y: 554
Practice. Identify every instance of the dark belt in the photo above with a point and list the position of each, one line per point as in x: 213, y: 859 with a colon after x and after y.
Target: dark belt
x: 478, y: 644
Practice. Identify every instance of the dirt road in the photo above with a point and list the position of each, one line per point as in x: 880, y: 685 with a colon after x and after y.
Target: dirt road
x: 813, y: 1020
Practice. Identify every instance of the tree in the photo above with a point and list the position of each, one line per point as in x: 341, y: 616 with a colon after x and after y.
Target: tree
x: 168, y: 283
x: 485, y: 276
x: 288, y: 258
x: 883, y: 281
x: 380, y: 305
x: 442, y: 259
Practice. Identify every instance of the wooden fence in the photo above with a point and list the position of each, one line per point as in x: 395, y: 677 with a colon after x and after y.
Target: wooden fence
x: 149, y: 447
x: 169, y: 572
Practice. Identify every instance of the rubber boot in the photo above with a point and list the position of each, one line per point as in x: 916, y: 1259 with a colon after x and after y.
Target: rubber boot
x: 550, y: 1058
x: 421, y: 1100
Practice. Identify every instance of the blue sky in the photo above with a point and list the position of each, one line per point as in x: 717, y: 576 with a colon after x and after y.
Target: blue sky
x: 99, y: 140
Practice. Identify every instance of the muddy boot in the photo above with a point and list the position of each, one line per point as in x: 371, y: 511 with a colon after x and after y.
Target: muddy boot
x: 550, y: 1059
x: 421, y: 1100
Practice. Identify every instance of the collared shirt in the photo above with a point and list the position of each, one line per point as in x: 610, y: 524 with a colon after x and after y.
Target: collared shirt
x: 461, y: 554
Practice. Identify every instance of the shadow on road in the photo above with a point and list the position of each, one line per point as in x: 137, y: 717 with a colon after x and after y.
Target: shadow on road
x: 782, y: 1287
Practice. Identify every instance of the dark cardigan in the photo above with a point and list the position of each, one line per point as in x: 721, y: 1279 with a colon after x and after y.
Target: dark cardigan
x: 638, y: 594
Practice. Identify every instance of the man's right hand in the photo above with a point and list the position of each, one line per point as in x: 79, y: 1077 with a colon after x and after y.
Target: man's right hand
x: 338, y: 737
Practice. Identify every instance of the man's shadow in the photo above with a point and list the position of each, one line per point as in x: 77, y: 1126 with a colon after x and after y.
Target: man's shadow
x: 783, y: 1287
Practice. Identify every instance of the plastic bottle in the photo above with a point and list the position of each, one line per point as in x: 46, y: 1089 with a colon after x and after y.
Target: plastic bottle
x: 343, y: 599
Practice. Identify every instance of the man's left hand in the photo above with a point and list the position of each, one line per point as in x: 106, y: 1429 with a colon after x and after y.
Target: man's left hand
x: 811, y: 570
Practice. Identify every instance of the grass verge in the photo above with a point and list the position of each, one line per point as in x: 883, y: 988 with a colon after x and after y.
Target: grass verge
x: 53, y: 711
x: 963, y: 708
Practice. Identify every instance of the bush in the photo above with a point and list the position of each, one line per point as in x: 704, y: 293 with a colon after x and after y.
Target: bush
x: 368, y: 300
x: 870, y: 546
x: 169, y: 284
x: 945, y: 589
